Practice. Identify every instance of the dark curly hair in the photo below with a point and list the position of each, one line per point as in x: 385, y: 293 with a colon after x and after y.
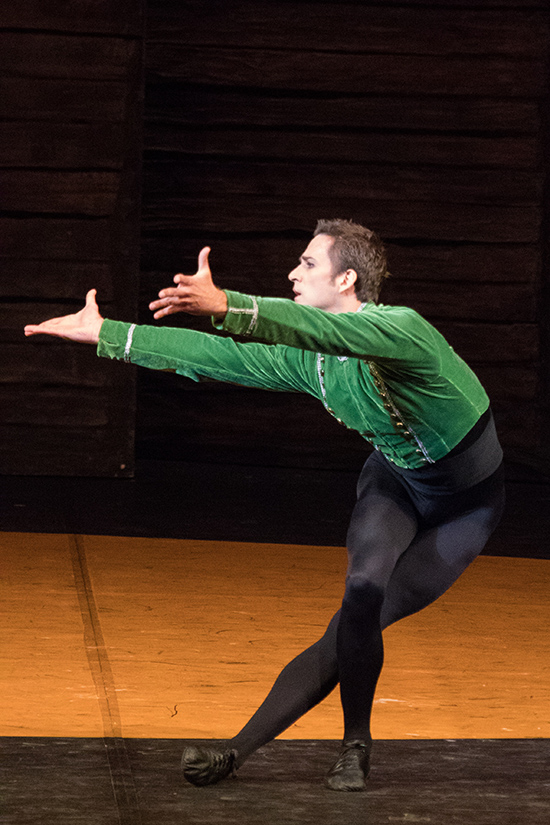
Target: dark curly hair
x: 356, y: 247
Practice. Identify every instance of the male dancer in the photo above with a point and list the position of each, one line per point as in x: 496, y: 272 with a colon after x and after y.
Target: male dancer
x: 428, y: 498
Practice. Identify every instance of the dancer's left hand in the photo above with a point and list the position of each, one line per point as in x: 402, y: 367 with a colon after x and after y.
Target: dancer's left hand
x: 195, y: 294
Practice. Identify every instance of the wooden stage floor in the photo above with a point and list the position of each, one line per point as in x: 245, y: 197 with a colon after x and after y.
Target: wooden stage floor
x: 116, y: 649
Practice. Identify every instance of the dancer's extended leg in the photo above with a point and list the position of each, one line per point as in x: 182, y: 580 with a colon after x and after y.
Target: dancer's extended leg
x: 301, y: 685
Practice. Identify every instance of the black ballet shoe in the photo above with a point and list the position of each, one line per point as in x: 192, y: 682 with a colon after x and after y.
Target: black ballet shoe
x: 351, y: 769
x: 206, y: 766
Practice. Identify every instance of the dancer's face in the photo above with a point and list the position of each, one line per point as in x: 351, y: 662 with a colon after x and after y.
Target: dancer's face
x: 315, y: 283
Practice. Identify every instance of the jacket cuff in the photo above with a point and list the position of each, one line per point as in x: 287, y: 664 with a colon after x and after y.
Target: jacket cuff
x: 115, y: 339
x: 242, y: 314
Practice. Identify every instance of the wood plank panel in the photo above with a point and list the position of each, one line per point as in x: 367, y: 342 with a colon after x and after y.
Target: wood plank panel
x: 215, y: 423
x: 57, y: 280
x: 507, y: 384
x: 367, y: 74
x: 87, y: 16
x: 517, y: 423
x: 166, y: 179
x: 527, y: 5
x: 437, y: 220
x: 36, y: 54
x: 342, y: 146
x: 348, y: 27
x: 48, y: 405
x: 490, y: 263
x: 94, y: 193
x: 492, y: 343
x: 68, y: 366
x: 80, y: 193
x: 182, y: 102
x: 508, y: 303
x: 61, y: 145
x: 73, y: 450
x: 66, y: 238
x: 32, y: 99
x: 71, y: 155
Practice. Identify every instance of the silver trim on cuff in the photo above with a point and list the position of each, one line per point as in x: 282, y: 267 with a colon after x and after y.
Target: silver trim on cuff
x: 245, y: 311
x: 129, y: 343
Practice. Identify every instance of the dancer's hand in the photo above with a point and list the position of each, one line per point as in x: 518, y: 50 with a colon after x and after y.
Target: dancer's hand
x: 83, y: 326
x: 195, y: 294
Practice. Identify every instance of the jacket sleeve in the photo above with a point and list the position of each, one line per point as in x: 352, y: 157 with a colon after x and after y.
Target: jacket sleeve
x: 200, y: 355
x: 394, y: 333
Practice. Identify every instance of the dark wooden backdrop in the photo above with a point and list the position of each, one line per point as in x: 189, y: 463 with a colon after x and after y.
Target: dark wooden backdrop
x: 424, y: 122
x: 70, y: 157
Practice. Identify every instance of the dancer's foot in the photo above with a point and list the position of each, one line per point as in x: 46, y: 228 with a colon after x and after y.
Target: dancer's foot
x: 351, y: 769
x: 206, y: 766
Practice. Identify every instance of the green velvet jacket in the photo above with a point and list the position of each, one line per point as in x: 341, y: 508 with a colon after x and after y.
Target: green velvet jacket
x: 383, y: 370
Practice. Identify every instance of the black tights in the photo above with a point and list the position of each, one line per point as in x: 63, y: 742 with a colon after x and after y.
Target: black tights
x: 405, y: 549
